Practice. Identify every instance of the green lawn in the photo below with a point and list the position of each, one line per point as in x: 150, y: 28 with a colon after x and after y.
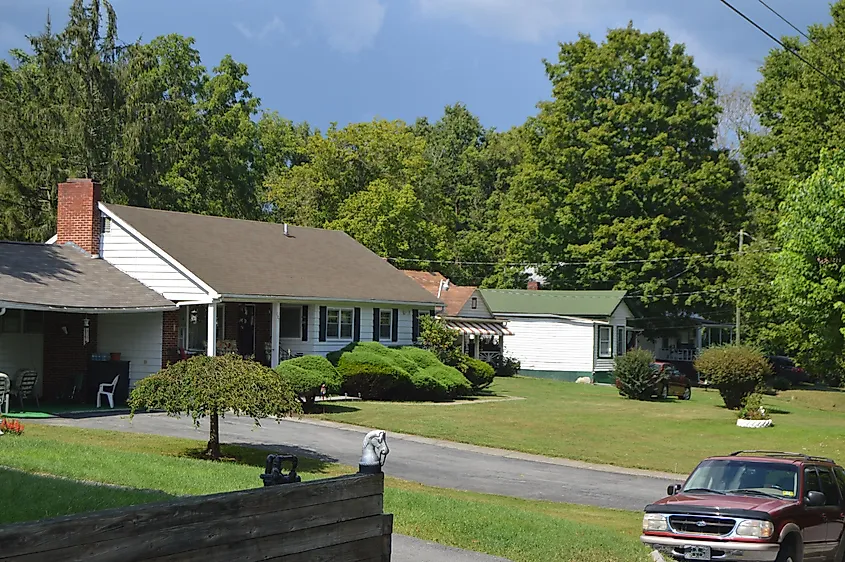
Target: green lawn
x: 153, y: 468
x: 594, y: 424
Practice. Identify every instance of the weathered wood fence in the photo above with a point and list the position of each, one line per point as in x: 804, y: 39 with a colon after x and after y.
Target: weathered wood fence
x: 336, y: 519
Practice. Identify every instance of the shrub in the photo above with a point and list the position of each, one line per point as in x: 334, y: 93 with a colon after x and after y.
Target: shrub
x: 421, y: 357
x: 753, y: 408
x: 736, y: 370
x: 306, y: 375
x: 506, y: 366
x: 440, y: 383
x: 371, y: 375
x: 479, y: 373
x: 12, y: 427
x: 440, y: 339
x: 780, y: 383
x: 635, y: 376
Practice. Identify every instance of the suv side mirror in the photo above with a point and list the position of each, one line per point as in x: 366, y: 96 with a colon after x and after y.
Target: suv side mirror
x: 815, y: 499
x: 673, y: 489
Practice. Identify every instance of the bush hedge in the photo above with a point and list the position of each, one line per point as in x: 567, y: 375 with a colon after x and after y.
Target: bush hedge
x: 635, y: 377
x: 478, y: 373
x: 307, y: 374
x: 736, y: 370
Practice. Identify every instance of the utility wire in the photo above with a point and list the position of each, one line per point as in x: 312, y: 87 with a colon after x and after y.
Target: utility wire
x: 783, y: 45
x: 786, y: 21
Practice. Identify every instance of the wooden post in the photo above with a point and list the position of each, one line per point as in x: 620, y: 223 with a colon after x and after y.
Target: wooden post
x: 211, y: 334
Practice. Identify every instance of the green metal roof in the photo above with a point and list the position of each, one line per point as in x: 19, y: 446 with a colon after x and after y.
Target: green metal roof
x: 563, y: 303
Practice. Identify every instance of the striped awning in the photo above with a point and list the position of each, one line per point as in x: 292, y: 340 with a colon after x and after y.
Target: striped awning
x: 479, y: 328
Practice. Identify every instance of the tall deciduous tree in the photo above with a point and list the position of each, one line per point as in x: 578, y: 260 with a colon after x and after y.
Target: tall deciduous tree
x: 620, y: 166
x: 811, y: 277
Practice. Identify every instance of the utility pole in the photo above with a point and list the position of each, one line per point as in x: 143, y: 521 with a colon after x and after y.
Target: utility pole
x: 739, y: 290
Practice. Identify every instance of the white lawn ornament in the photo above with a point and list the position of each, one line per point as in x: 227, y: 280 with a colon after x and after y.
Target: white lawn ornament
x: 584, y: 380
x: 375, y: 452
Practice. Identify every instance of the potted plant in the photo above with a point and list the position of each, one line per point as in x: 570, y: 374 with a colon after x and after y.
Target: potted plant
x: 753, y: 414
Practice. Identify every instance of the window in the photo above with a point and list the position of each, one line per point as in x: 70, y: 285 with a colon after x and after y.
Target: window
x: 811, y: 480
x: 385, y: 324
x: 474, y: 303
x: 605, y: 347
x: 195, y: 325
x: 831, y: 492
x: 291, y: 322
x: 339, y: 323
x: 621, y: 344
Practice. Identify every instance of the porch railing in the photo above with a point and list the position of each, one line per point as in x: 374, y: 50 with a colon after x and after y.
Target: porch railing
x: 676, y: 354
x: 489, y: 356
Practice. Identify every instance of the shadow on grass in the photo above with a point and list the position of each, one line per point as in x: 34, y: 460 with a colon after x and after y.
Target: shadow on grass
x: 777, y: 411
x: 333, y: 409
x: 256, y: 455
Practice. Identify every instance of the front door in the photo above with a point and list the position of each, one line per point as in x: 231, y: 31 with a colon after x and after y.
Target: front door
x: 246, y: 329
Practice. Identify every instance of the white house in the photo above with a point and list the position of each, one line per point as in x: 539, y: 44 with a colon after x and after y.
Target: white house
x: 564, y: 334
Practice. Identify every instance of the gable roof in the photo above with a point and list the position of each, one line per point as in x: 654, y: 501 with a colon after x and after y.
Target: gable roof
x: 255, y: 259
x: 589, y: 304
x: 65, y: 278
x: 455, y: 297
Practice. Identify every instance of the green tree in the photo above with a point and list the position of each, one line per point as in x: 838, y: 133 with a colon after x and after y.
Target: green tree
x: 211, y: 387
x: 811, y: 277
x: 620, y: 166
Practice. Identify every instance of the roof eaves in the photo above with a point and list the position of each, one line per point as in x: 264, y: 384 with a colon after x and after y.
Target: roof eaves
x: 281, y: 298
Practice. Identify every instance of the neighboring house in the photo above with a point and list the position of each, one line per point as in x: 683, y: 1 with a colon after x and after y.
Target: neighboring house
x: 564, y: 334
x: 465, y: 311
x: 683, y: 343
x: 203, y: 284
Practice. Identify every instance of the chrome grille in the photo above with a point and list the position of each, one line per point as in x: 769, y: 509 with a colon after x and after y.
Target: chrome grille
x: 702, y: 525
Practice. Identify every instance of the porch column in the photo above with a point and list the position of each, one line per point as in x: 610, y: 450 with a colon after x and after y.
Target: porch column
x: 477, y: 346
x: 211, y: 332
x: 275, y: 319
x: 697, y: 339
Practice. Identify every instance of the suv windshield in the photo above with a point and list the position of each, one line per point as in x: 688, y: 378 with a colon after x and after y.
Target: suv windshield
x: 744, y: 477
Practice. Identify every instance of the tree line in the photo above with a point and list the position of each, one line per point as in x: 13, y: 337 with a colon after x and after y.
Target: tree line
x: 638, y: 172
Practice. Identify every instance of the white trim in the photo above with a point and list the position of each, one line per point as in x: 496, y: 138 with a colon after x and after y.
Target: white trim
x: 610, y: 341
x: 211, y: 331
x: 381, y: 312
x: 283, y: 298
x: 554, y: 316
x: 340, y: 336
x: 52, y: 239
x: 275, y: 319
x: 82, y: 310
x: 167, y: 257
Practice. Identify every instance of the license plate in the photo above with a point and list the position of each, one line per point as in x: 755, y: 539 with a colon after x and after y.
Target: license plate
x: 696, y: 552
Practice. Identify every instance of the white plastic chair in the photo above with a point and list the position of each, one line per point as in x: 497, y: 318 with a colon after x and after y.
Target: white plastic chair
x: 108, y: 393
x: 5, y: 387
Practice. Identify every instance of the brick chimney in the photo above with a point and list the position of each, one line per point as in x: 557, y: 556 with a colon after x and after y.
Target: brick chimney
x: 78, y: 218
x: 533, y: 285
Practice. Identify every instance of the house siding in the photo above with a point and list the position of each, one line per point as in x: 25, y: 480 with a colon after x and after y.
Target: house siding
x: 481, y: 311
x: 619, y: 318
x: 130, y: 255
x: 551, y: 345
x: 138, y: 339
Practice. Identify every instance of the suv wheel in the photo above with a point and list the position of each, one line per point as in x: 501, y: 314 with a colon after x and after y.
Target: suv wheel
x: 687, y: 394
x: 664, y: 392
x: 786, y: 554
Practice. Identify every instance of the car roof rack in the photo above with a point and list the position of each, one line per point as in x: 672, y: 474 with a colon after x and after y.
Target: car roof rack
x: 783, y: 455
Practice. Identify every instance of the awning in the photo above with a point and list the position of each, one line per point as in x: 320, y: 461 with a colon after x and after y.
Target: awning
x: 479, y: 328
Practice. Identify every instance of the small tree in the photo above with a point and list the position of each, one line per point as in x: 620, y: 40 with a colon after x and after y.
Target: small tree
x: 212, y: 386
x: 635, y: 375
x: 441, y: 340
x: 736, y: 370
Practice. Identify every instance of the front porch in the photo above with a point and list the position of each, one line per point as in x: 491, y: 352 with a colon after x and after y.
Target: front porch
x: 687, y: 343
x: 481, y: 339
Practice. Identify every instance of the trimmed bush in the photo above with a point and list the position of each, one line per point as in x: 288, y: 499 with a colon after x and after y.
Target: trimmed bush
x: 422, y: 357
x: 479, y: 373
x: 440, y: 383
x: 736, y: 370
x: 507, y: 366
x: 371, y: 375
x: 306, y: 375
x: 635, y: 377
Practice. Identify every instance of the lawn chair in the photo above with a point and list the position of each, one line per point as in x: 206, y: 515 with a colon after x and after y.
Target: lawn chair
x: 107, y: 390
x: 25, y: 388
x: 5, y: 387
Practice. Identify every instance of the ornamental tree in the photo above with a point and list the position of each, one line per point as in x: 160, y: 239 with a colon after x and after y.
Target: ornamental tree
x: 210, y: 387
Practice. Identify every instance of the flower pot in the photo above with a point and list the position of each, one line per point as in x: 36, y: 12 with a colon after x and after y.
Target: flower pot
x: 115, y: 356
x: 753, y: 423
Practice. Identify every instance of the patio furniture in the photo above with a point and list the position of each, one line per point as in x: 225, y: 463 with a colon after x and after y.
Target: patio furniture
x: 5, y: 387
x: 107, y: 390
x: 25, y: 387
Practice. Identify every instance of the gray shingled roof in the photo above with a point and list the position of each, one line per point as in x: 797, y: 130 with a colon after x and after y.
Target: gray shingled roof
x: 65, y: 278
x: 252, y: 258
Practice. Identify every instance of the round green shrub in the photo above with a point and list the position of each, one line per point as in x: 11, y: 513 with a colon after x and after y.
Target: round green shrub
x: 453, y: 382
x: 307, y: 374
x: 736, y: 370
x: 507, y: 366
x: 635, y: 376
x: 422, y: 357
x: 479, y: 373
x: 371, y: 375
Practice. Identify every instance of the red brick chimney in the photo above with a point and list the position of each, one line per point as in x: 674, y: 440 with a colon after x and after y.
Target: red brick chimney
x: 78, y: 218
x: 533, y: 285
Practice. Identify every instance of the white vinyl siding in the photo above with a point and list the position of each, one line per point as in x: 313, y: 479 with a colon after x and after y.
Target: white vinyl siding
x: 551, y: 344
x: 619, y: 318
x: 480, y: 310
x: 137, y: 337
x: 136, y: 259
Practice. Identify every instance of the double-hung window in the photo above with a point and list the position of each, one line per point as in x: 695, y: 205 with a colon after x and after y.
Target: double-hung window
x: 621, y: 343
x: 291, y: 322
x: 193, y: 323
x: 605, y: 342
x: 339, y: 323
x: 385, y: 324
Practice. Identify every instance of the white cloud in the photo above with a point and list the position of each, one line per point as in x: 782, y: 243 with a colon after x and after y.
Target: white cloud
x: 350, y: 25
x: 521, y: 20
x: 276, y: 25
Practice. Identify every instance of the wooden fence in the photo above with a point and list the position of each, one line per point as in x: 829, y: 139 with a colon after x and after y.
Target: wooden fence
x: 338, y: 519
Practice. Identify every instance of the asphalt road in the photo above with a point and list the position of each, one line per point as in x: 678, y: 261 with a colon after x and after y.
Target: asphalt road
x: 425, y: 461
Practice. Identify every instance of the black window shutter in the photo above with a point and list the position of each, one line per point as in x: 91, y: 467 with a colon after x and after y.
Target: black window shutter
x: 415, y: 325
x: 304, y: 322
x: 395, y: 325
x: 357, y: 326
x: 376, y: 317
x: 431, y: 313
x: 324, y: 317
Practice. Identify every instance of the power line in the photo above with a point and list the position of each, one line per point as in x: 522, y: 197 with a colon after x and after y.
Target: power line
x: 783, y: 45
x: 786, y: 21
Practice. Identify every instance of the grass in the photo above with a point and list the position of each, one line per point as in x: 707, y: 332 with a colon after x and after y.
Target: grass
x: 155, y: 468
x: 594, y: 424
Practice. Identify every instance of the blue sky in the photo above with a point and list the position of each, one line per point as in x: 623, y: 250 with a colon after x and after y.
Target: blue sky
x: 353, y: 60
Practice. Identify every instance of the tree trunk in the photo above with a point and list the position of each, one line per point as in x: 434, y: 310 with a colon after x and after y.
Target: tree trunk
x: 213, y: 447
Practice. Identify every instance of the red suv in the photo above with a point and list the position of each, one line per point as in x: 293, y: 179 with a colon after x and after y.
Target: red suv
x: 752, y: 505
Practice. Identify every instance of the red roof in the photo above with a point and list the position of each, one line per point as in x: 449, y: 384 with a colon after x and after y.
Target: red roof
x: 455, y: 297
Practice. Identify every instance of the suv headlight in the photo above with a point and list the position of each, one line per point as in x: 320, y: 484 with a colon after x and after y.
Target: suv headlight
x: 655, y: 522
x: 755, y: 529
